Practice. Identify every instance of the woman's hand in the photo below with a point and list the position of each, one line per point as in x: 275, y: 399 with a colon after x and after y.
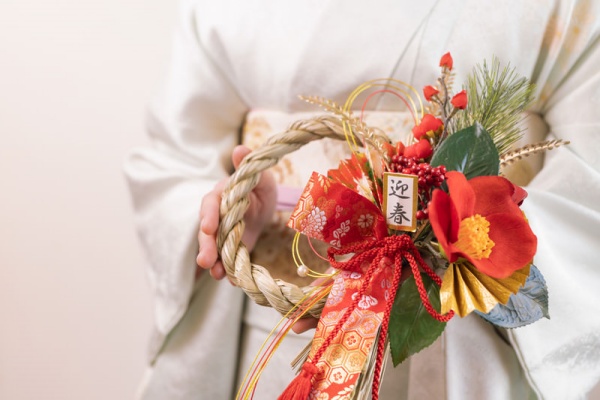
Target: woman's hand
x: 262, y: 206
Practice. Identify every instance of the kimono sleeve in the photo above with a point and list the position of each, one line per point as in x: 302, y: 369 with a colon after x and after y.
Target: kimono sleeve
x: 193, y: 126
x: 560, y: 355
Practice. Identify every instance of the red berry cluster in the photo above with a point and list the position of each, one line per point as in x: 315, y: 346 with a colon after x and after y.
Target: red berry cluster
x: 429, y: 178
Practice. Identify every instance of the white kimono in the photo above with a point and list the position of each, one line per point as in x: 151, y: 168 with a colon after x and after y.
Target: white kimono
x: 233, y: 57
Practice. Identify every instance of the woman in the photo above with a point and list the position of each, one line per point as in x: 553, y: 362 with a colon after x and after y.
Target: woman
x: 238, y: 62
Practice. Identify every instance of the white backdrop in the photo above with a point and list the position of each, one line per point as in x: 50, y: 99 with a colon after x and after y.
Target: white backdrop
x: 75, y: 311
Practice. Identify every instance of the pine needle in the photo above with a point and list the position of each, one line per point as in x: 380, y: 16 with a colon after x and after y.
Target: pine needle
x: 497, y: 96
x: 525, y: 151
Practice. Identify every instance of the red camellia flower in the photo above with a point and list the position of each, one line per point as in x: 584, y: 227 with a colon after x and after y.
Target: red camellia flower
x: 446, y: 61
x: 429, y: 92
x: 428, y: 123
x: 421, y: 149
x: 480, y: 220
x: 460, y: 100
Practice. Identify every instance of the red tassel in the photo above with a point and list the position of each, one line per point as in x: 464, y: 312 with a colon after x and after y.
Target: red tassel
x: 299, y: 388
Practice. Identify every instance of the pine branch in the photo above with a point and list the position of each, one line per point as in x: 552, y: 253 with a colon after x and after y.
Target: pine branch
x: 515, y: 155
x: 496, y: 99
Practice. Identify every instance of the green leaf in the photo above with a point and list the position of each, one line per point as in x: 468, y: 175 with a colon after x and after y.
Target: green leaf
x: 470, y: 151
x: 411, y: 328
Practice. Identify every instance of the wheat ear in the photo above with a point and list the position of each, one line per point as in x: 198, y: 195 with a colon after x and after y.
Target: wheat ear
x: 512, y: 156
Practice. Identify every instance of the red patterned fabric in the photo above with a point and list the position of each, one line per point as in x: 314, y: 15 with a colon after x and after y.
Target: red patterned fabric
x: 345, y: 357
x: 333, y: 213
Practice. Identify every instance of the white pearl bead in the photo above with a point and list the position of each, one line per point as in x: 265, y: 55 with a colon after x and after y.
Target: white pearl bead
x: 302, y: 271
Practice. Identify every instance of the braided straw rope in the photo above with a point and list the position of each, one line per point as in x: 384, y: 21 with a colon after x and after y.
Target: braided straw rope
x: 254, y: 279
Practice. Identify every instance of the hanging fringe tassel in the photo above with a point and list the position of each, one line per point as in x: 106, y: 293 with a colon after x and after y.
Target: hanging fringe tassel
x: 299, y: 388
x: 301, y: 358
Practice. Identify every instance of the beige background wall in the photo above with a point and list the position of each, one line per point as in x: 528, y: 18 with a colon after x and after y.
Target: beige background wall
x: 75, y: 309
x: 74, y: 305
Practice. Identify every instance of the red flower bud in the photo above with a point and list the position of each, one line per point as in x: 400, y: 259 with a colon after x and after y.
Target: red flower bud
x: 460, y: 100
x: 428, y: 123
x: 429, y: 92
x: 421, y: 149
x: 446, y: 61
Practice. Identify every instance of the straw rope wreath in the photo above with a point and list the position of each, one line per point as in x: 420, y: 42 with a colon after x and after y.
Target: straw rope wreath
x: 254, y: 279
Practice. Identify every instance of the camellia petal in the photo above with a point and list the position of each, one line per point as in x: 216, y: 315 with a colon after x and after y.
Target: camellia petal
x: 462, y: 194
x: 492, y: 233
x: 440, y: 218
x: 519, y: 194
x: 515, y: 244
x: 494, y: 195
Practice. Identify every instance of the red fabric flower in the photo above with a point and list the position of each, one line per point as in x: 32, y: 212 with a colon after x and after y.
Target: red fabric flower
x: 400, y: 148
x: 460, y: 100
x: 421, y: 149
x: 480, y: 221
x: 429, y: 92
x: 446, y: 61
x: 428, y: 123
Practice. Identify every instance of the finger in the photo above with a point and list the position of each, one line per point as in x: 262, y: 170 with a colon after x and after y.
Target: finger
x: 207, y: 255
x: 266, y: 188
x: 209, y: 223
x: 209, y: 211
x: 218, y: 271
x: 239, y: 152
x: 305, y: 324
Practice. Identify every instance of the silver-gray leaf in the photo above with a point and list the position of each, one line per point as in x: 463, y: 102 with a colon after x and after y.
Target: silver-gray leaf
x: 527, y: 306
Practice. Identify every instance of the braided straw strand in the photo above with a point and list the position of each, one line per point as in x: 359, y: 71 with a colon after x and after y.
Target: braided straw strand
x: 254, y: 279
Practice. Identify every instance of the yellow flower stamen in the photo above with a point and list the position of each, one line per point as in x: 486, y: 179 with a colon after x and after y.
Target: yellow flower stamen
x: 473, y: 237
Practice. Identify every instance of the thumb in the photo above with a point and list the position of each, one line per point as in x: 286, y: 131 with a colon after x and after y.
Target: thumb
x: 239, y: 152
